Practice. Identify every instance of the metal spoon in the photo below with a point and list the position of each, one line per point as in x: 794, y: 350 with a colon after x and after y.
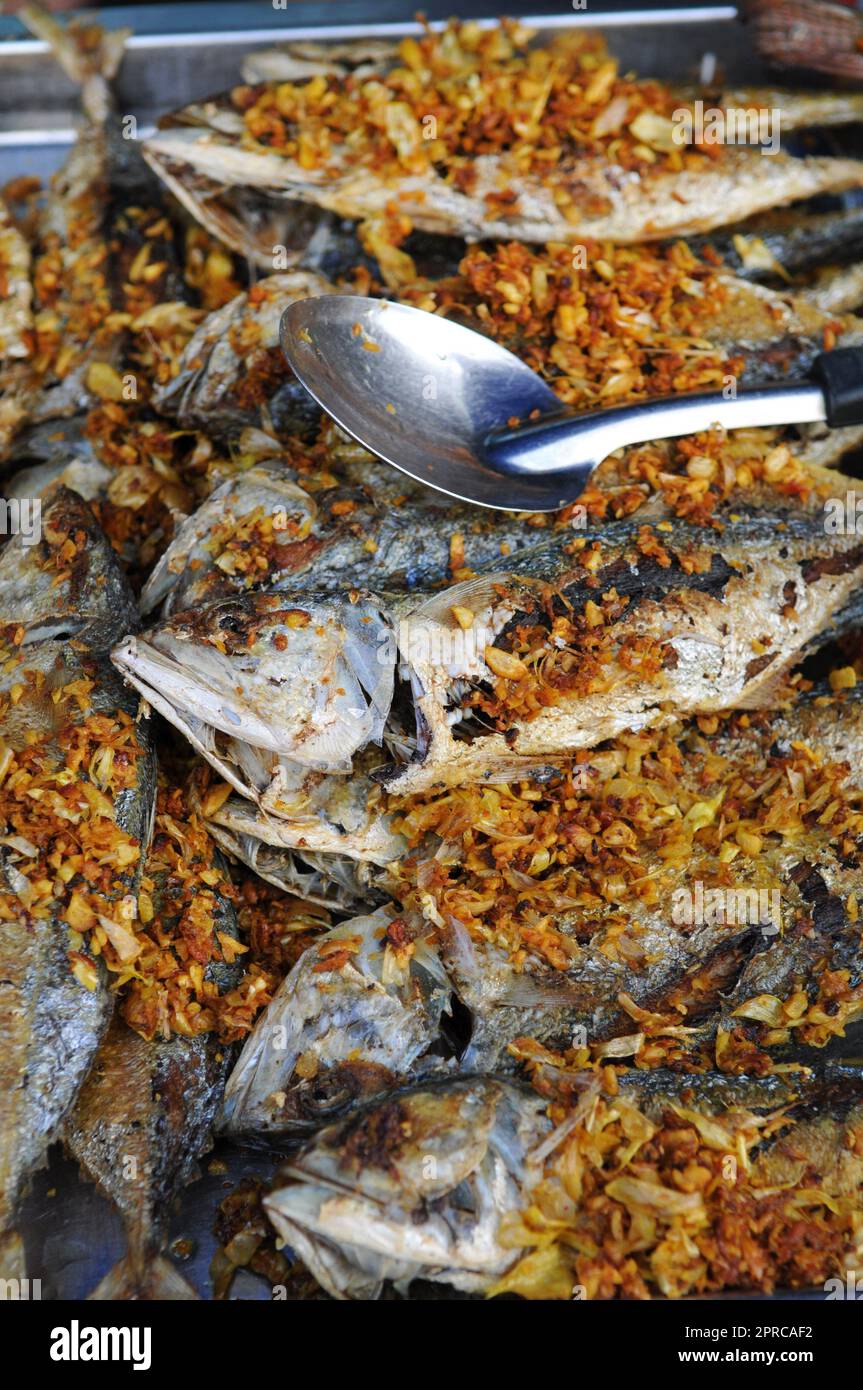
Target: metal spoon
x: 456, y: 411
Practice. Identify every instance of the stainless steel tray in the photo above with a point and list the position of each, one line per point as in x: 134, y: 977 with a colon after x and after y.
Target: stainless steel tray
x: 181, y: 53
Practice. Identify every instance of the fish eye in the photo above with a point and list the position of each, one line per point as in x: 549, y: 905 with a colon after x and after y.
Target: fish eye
x: 328, y: 1095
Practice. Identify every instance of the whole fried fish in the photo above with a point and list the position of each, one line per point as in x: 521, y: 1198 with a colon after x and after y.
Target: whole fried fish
x: 681, y: 895
x: 76, y: 807
x: 698, y: 891
x: 102, y: 238
x: 232, y: 373
x: 73, y: 297
x: 510, y: 671
x: 554, y: 147
x: 145, y: 1113
x: 464, y: 1182
x: 356, y: 1016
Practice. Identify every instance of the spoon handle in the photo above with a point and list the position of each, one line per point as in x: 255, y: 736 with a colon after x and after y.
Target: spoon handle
x: 568, y: 444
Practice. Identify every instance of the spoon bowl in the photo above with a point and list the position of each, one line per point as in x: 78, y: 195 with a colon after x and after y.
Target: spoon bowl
x: 422, y: 393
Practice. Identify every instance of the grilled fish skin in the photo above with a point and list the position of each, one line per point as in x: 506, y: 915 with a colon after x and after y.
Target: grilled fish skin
x: 433, y: 1181
x: 707, y: 619
x: 67, y: 583
x: 247, y: 141
x: 50, y: 1026
x: 227, y: 369
x: 412, y: 1185
x: 261, y: 530
x: 630, y: 974
x: 56, y: 686
x: 779, y: 246
x: 357, y: 1015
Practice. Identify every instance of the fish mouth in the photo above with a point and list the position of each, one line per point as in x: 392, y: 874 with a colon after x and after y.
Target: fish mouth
x: 166, y: 685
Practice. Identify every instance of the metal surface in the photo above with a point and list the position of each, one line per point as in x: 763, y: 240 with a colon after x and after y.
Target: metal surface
x: 563, y: 452
x: 173, y: 58
x: 417, y: 390
x: 433, y: 398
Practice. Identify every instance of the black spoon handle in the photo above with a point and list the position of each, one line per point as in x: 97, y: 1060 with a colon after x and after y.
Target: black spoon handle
x: 840, y: 375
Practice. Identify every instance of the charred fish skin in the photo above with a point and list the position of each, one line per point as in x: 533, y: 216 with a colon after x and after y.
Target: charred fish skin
x: 700, y: 600
x: 787, y: 241
x: 806, y: 990
x: 358, y: 1015
x: 413, y: 1185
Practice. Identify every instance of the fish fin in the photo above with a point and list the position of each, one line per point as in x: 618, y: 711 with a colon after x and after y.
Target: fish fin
x: 159, y: 1281
x: 12, y: 1261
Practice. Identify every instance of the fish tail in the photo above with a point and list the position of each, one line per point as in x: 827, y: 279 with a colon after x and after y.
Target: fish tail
x: 12, y: 1261
x: 156, y: 1280
x: 92, y: 67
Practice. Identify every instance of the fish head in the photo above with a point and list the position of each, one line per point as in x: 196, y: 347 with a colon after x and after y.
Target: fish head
x: 312, y: 682
x: 59, y: 577
x: 357, y: 1012
x: 414, y: 1184
x: 250, y: 526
